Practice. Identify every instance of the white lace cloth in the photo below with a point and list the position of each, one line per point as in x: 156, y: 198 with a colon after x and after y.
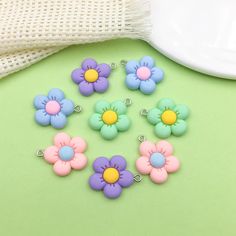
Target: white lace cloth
x: 30, y: 30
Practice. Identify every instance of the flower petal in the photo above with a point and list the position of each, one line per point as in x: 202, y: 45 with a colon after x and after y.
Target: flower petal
x: 123, y: 123
x: 40, y: 101
x: 100, y: 164
x: 51, y: 154
x: 162, y: 131
x: 158, y: 176
x: 166, y: 103
x: 86, y: 88
x: 89, y: 63
x: 182, y: 111
x: 78, y: 144
x: 109, y: 131
x: 143, y: 165
x: 67, y: 106
x: 79, y: 161
x: 112, y: 190
x: 179, y: 127
x: 62, y: 168
x: 101, y: 85
x: 96, y: 181
x: 132, y: 66
x: 147, y: 86
x: 104, y: 70
x: 77, y: 75
x: 157, y: 74
x: 119, y: 107
x: 102, y: 106
x: 146, y: 148
x: 165, y: 148
x: 126, y: 178
x: 62, y: 139
x: 154, y: 116
x: 118, y: 162
x: 58, y: 121
x: 95, y: 121
x: 56, y: 94
x: 42, y: 118
x: 147, y: 61
x: 132, y: 81
x: 172, y: 164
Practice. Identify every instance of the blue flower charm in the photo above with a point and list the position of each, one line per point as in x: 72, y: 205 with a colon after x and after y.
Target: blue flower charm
x: 143, y: 75
x: 53, y: 109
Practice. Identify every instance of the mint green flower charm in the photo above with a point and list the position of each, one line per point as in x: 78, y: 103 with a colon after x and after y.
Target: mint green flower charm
x: 168, y: 118
x: 110, y: 118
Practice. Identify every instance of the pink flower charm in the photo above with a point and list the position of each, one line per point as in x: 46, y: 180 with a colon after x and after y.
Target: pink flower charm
x: 157, y: 161
x: 66, y: 154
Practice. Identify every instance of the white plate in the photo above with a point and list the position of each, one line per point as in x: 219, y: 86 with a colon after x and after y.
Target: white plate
x: 200, y: 34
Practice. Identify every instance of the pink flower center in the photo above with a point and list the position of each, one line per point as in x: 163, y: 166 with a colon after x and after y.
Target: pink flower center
x: 52, y: 107
x: 143, y: 73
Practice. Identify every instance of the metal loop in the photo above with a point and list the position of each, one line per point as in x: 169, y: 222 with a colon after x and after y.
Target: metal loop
x: 144, y: 112
x: 141, y: 138
x: 113, y: 65
x: 128, y: 102
x: 138, y: 178
x: 40, y: 153
x: 123, y: 62
x: 77, y: 108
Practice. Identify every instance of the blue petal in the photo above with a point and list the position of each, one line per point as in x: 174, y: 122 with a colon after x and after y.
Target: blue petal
x: 56, y: 94
x: 67, y: 106
x: 147, y: 61
x: 132, y: 81
x: 41, y: 117
x: 132, y: 66
x: 157, y: 74
x: 40, y: 101
x: 147, y: 86
x: 58, y: 121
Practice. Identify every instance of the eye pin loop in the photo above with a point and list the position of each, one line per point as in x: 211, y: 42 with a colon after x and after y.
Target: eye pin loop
x: 128, y: 102
x: 40, y: 153
x: 141, y: 138
x: 77, y: 108
x: 144, y: 112
x: 137, y: 178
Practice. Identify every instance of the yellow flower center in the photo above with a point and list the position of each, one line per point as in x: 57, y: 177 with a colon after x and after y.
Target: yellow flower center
x: 111, y: 175
x: 91, y: 75
x: 169, y: 117
x: 109, y: 117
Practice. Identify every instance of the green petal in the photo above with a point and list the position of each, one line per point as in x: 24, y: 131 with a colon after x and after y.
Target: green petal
x: 102, y: 106
x: 109, y: 131
x: 165, y: 104
x: 123, y: 123
x: 162, y: 131
x: 179, y: 128
x: 154, y: 116
x: 119, y: 107
x: 182, y: 111
x: 95, y: 121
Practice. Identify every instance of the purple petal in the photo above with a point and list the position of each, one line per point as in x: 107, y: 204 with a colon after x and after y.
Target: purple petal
x: 77, y: 75
x: 96, y: 182
x: 100, y: 164
x: 101, y: 85
x: 118, y: 162
x: 126, y: 178
x: 89, y: 63
x: 104, y: 70
x: 86, y: 88
x: 112, y: 190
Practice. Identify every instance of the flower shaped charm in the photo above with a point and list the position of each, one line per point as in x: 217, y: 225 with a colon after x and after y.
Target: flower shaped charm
x: 66, y: 153
x: 91, y: 77
x: 157, y: 160
x: 110, y: 176
x: 168, y: 118
x: 110, y: 118
x: 53, y: 109
x: 143, y: 75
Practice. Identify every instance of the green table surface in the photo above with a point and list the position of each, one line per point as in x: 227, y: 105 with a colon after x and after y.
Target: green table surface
x: 197, y: 200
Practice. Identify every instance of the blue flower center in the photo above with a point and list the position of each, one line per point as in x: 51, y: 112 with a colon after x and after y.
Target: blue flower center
x: 157, y: 159
x: 66, y: 153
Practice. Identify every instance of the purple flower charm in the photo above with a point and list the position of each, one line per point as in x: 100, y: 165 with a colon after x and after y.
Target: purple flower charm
x: 111, y: 175
x: 91, y: 77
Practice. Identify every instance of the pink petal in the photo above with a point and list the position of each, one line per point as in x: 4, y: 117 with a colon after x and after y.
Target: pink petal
x: 79, y: 161
x: 146, y: 148
x: 165, y: 148
x: 61, y: 139
x: 158, y: 175
x: 62, y: 168
x: 172, y: 164
x: 78, y: 144
x: 51, y: 154
x: 143, y: 165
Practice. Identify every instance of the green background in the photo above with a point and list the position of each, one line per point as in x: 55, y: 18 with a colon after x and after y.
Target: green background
x: 197, y: 200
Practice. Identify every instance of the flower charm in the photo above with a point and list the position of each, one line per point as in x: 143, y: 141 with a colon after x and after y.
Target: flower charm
x: 110, y: 118
x: 91, y: 77
x: 66, y: 153
x: 143, y: 75
x: 53, y: 109
x: 157, y: 160
x: 110, y: 176
x: 168, y: 118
